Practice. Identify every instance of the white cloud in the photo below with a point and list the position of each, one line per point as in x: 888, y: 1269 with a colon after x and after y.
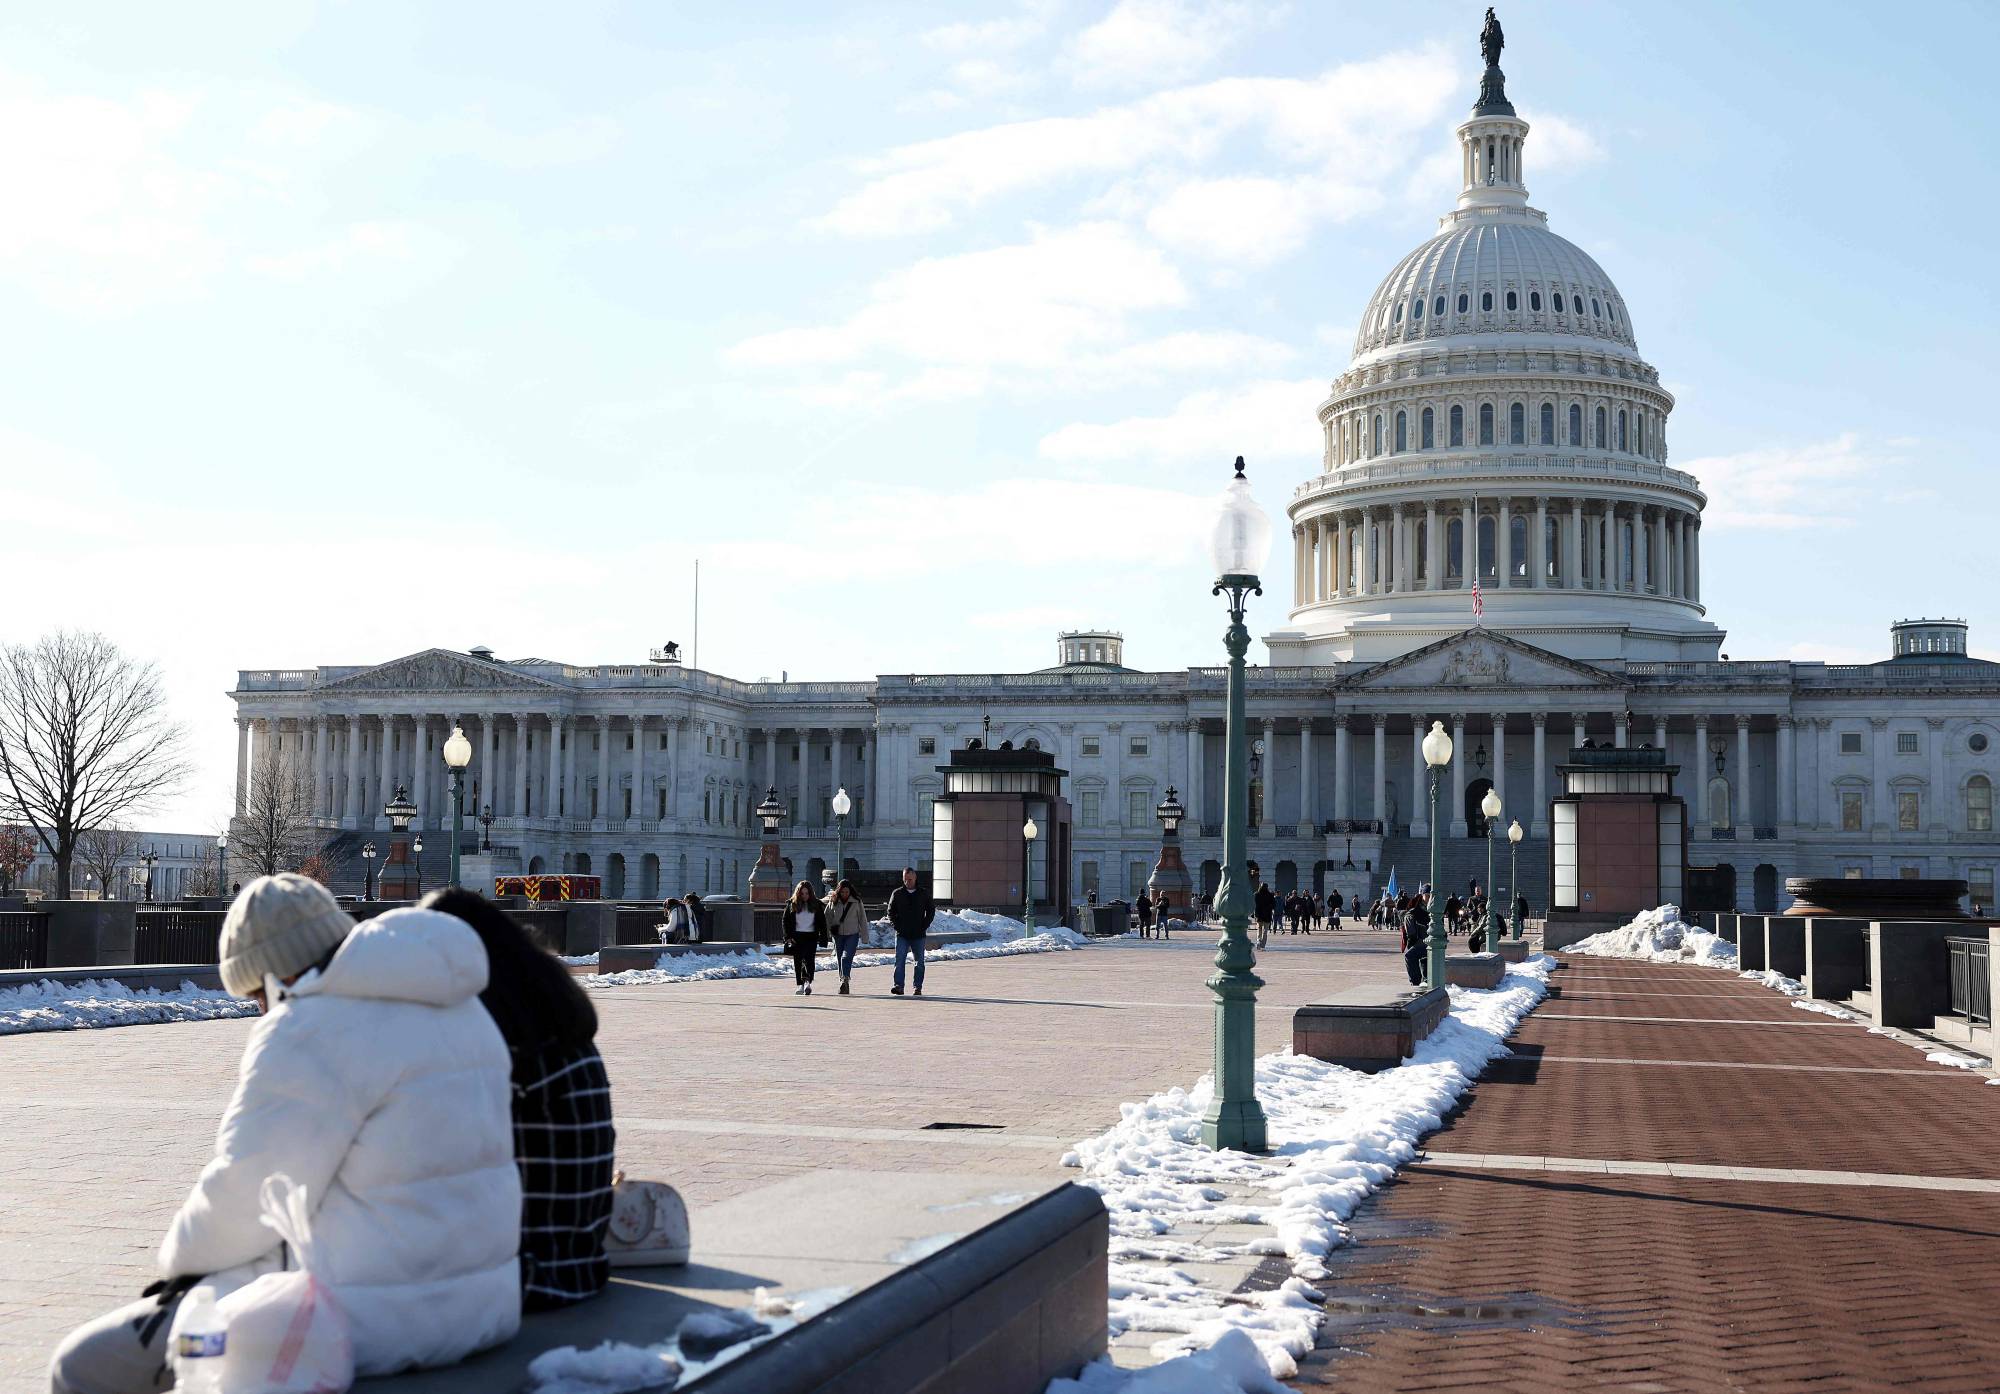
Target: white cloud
x: 1146, y: 42
x: 1263, y: 420
x: 1252, y: 220
x: 357, y: 244
x: 994, y: 35
x: 1555, y: 144
x: 1821, y: 484
x: 1359, y: 123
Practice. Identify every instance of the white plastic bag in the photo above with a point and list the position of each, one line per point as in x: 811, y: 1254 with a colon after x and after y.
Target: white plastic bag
x: 287, y: 1333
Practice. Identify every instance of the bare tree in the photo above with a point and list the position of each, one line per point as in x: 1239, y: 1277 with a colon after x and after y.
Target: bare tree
x: 17, y: 850
x: 104, y: 853
x: 84, y: 740
x: 275, y: 831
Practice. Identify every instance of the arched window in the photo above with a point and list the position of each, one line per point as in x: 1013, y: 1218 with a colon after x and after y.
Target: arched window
x: 1454, y: 557
x: 1575, y: 424
x: 1513, y: 301
x: 1718, y: 802
x: 1594, y: 309
x: 1378, y: 430
x: 1552, y: 549
x: 1462, y: 302
x: 1576, y: 303
x: 1639, y: 426
x: 1517, y: 424
x: 1427, y: 428
x: 1612, y: 306
x: 1402, y: 431
x: 1486, y: 546
x: 1422, y: 549
x: 1486, y: 300
x: 1535, y: 301
x: 1437, y: 307
x: 1600, y: 427
x: 1556, y: 302
x: 1517, y: 546
x: 1621, y: 428
x: 1396, y: 317
x: 1548, y: 423
x: 1979, y: 804
x: 1417, y: 308
x: 1486, y: 423
x: 1353, y: 561
x: 1457, y: 426
x: 1375, y: 557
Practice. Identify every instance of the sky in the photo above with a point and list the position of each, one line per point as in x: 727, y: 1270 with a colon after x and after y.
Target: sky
x: 340, y: 331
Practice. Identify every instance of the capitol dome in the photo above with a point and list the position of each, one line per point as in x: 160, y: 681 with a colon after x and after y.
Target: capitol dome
x: 1497, y: 431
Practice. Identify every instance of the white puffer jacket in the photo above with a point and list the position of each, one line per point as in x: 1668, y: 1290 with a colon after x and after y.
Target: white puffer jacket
x: 382, y: 1086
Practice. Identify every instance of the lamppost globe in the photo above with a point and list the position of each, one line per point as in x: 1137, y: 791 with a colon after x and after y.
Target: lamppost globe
x: 1514, y: 833
x: 457, y: 749
x: 842, y: 805
x: 1437, y: 746
x: 1030, y: 831
x: 1240, y: 541
x: 1490, y: 805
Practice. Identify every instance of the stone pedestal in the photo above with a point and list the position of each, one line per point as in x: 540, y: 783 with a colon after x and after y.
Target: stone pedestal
x: 1366, y: 1031
x: 1513, y: 950
x: 90, y: 933
x: 1474, y: 970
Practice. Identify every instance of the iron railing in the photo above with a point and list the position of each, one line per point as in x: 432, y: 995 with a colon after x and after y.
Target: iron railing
x: 24, y: 939
x: 639, y: 926
x: 1971, y: 980
x: 1340, y: 827
x: 1722, y: 834
x: 177, y: 936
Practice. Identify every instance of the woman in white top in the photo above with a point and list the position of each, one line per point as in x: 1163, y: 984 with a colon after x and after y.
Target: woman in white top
x: 805, y: 925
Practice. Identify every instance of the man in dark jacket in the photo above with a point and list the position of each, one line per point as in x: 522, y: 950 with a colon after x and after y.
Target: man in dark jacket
x: 1266, y: 903
x: 910, y: 914
x: 1416, y: 939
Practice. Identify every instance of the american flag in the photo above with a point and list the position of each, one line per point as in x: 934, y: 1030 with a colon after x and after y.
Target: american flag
x: 1478, y: 605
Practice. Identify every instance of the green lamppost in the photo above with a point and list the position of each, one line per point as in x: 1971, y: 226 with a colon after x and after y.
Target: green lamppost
x: 1513, y: 872
x: 1437, y: 754
x: 1235, y: 1119
x: 1490, y: 806
x: 842, y: 806
x: 1029, y: 832
x: 457, y: 755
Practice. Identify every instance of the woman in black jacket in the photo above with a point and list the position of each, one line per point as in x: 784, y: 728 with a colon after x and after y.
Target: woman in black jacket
x: 805, y: 926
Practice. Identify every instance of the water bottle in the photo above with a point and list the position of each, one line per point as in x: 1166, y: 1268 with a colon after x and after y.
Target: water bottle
x: 199, y: 1343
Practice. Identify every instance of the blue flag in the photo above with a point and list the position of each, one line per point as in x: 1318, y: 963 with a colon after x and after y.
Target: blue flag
x: 1390, y: 889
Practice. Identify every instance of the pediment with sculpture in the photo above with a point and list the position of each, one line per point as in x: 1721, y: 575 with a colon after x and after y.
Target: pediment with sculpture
x: 1481, y: 659
x: 440, y: 670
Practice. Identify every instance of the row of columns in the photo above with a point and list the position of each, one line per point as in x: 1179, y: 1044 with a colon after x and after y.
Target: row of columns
x: 1375, y: 550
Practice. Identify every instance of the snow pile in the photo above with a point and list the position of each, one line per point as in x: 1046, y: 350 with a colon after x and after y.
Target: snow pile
x: 1662, y: 936
x: 1004, y: 939
x: 994, y: 929
x: 1232, y: 1365
x: 1336, y: 1135
x: 96, y: 1002
x: 616, y: 1367
x: 748, y: 962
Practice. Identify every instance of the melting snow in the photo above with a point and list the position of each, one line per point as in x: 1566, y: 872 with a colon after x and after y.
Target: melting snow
x: 96, y: 1002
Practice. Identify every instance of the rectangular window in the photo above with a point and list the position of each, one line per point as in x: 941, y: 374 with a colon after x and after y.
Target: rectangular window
x: 1090, y: 745
x: 663, y: 740
x: 1850, y: 742
x: 924, y: 802
x: 1093, y: 807
x: 926, y: 745
x: 708, y: 745
x: 1910, y: 873
x: 1135, y: 879
x: 1136, y: 811
x: 628, y: 740
x: 628, y: 803
x: 663, y: 805
x: 1853, y: 873
x: 1906, y: 742
x: 1850, y: 811
x: 1087, y: 871
x: 1979, y: 885
x: 1907, y: 811
x: 1136, y: 746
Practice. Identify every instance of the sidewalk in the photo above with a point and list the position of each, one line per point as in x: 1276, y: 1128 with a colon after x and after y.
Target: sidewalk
x: 1683, y: 1182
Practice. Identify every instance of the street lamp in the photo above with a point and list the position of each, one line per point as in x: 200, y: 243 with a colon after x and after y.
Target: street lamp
x: 1234, y: 1119
x: 1172, y: 887
x: 368, y: 871
x: 1029, y: 832
x: 767, y: 878
x: 222, y: 864
x: 1514, y: 870
x: 842, y: 806
x: 486, y: 828
x: 1490, y: 806
x: 147, y: 858
x: 1437, y: 754
x: 457, y: 754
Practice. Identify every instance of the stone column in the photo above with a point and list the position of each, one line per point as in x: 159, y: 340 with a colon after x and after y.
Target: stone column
x: 1538, y: 816
x: 1340, y: 563
x: 1343, y: 769
x: 1787, y: 782
x: 1433, y: 551
x: 1660, y: 586
x: 551, y: 799
x: 802, y: 742
x: 1694, y: 561
x: 836, y: 735
x: 1459, y: 756
x: 1468, y: 561
x: 1880, y: 795
x: 603, y: 813
x: 354, y: 780
x: 388, y: 762
x: 671, y: 727
x: 1379, y: 772
x: 1538, y: 546
x: 1701, y: 816
x: 322, y: 735
x: 1371, y: 554
x: 1616, y: 543
x: 1659, y: 733
x: 1573, y: 546
x: 1328, y: 558
x: 1269, y: 823
x: 520, y: 807
x: 1642, y: 549
x: 1935, y: 799
x: 420, y: 771
x: 1503, y: 545
x: 1299, y: 565
x: 1500, y: 757
x: 1420, y: 789
x: 770, y: 760
x: 489, y: 760
x: 1746, y: 806
x: 1621, y: 729
x: 1194, y: 756
x: 1307, y: 816
x: 242, y: 762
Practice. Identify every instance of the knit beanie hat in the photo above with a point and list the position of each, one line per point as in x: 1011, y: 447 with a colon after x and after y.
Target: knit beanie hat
x: 282, y: 925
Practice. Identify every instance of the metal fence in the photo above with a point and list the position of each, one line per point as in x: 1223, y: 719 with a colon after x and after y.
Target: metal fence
x: 24, y: 939
x: 177, y: 936
x: 1971, y: 980
x: 639, y: 926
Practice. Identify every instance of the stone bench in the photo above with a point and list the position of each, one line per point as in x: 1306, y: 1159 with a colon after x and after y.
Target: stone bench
x: 1474, y: 970
x: 1512, y: 951
x: 162, y: 977
x: 1364, y: 1029
x: 953, y: 1284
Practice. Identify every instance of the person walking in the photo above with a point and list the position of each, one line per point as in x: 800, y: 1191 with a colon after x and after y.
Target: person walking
x: 1416, y: 938
x: 1454, y: 908
x: 374, y: 1077
x: 847, y: 921
x: 910, y: 915
x: 1144, y: 907
x: 1521, y: 912
x: 1266, y: 903
x: 805, y: 922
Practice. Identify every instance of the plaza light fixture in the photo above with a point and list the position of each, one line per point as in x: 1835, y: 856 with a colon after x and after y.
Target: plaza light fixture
x: 842, y: 806
x: 1173, y: 888
x: 1437, y: 754
x: 486, y: 828
x: 222, y: 864
x: 1238, y: 545
x: 367, y: 871
x: 1490, y: 806
x: 457, y: 755
x: 147, y: 858
x: 1029, y: 832
x: 1514, y: 836
x: 768, y: 877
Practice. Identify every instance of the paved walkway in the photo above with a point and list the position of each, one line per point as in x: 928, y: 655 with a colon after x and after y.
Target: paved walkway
x: 720, y: 1087
x: 1683, y: 1182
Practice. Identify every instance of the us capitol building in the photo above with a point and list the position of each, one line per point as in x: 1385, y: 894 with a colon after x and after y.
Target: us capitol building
x: 1496, y: 424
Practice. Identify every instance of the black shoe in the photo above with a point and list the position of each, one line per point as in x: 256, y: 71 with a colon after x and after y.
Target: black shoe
x: 895, y: 992
x: 919, y: 992
x: 809, y: 989
x: 843, y: 987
